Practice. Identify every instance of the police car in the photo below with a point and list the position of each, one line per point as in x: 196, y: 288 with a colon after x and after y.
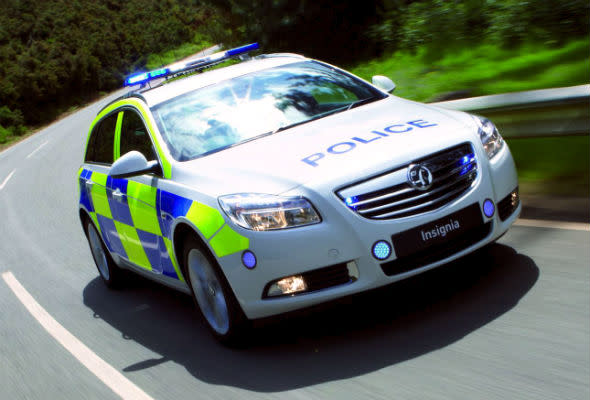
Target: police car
x: 281, y: 182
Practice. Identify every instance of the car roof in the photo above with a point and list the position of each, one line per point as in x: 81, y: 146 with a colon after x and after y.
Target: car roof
x: 181, y: 86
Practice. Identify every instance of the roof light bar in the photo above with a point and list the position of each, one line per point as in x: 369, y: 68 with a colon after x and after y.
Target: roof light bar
x: 190, y: 65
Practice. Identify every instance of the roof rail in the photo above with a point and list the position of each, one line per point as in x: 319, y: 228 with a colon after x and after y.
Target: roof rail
x: 125, y: 96
x: 274, y: 55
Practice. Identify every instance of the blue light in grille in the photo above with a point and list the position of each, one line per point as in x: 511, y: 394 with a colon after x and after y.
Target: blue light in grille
x: 350, y: 201
x: 381, y: 250
x: 488, y: 208
x: 248, y: 259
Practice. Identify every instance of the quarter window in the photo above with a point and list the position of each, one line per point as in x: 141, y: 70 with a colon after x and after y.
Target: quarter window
x: 102, y: 139
x: 134, y: 136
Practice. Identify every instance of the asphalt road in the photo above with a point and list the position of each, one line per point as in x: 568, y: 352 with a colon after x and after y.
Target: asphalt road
x: 509, y: 322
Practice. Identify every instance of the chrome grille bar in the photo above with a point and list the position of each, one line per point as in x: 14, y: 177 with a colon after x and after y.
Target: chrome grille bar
x: 390, y: 195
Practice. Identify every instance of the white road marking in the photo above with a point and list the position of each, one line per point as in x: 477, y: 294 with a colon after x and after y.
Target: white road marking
x: 6, y: 180
x: 539, y: 223
x: 103, y: 371
x: 38, y: 148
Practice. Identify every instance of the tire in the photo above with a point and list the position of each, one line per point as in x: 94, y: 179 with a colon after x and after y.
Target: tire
x: 110, y: 273
x: 213, y: 296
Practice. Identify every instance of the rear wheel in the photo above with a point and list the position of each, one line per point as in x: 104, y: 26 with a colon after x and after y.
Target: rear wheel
x: 213, y: 296
x: 110, y: 273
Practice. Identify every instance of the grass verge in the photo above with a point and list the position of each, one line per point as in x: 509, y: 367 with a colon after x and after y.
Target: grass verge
x: 483, y: 69
x: 553, y: 166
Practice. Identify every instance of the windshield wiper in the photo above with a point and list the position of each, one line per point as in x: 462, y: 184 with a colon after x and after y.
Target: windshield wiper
x: 324, y: 114
x: 361, y: 102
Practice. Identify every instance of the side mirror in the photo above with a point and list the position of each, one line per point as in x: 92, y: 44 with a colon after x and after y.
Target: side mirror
x: 132, y: 164
x: 383, y: 83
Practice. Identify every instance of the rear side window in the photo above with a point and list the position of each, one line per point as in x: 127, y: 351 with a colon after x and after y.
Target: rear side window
x: 134, y: 136
x: 102, y: 140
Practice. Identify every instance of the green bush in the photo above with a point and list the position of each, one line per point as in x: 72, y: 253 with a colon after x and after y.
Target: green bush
x: 4, y: 133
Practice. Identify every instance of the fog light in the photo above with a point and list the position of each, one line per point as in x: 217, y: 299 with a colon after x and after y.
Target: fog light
x: 381, y: 250
x: 288, y: 285
x: 248, y: 259
x: 489, y: 208
x: 514, y: 199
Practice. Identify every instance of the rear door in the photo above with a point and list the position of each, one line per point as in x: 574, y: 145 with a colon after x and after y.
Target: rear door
x: 93, y: 179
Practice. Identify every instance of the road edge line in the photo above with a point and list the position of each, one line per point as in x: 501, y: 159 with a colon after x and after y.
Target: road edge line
x: 37, y: 149
x: 7, y: 179
x: 112, y: 378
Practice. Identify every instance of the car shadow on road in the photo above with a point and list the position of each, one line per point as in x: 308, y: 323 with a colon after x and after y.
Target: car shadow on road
x: 355, y: 336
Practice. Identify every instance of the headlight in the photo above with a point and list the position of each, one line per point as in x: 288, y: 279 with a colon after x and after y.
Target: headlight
x: 489, y: 135
x: 265, y: 212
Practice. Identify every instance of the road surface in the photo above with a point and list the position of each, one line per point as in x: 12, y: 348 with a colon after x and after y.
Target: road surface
x: 510, y: 322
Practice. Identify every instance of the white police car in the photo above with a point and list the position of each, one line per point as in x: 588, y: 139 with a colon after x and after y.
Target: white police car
x: 282, y: 182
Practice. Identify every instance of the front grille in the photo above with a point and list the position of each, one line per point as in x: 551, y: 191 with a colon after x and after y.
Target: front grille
x: 322, y: 278
x: 390, y: 196
x: 436, y: 253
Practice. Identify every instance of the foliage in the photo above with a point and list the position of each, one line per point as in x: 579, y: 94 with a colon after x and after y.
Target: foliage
x: 482, y: 69
x: 4, y: 133
x: 197, y: 44
x: 54, y: 53
x: 553, y: 165
x: 327, y: 29
x: 440, y: 24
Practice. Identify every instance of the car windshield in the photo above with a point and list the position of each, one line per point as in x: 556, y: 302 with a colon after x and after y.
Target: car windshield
x: 250, y: 106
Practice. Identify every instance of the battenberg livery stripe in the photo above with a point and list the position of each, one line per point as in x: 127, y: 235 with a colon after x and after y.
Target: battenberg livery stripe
x: 142, y: 206
x: 142, y: 233
x: 119, y: 206
x: 207, y: 219
x: 98, y: 194
x: 227, y: 241
x: 169, y: 257
x: 133, y: 245
x: 85, y: 200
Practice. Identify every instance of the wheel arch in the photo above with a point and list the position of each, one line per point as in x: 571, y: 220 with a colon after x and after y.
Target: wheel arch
x: 181, y: 231
x: 84, y: 218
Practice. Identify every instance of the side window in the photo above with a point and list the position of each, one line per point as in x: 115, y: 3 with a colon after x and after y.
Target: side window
x: 102, y: 140
x: 134, y: 136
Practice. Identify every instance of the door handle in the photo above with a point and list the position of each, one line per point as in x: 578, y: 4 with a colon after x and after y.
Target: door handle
x: 89, y: 183
x: 118, y: 195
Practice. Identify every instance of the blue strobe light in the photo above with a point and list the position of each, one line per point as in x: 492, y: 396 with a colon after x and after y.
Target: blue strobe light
x: 248, y: 259
x: 489, y: 208
x: 381, y: 250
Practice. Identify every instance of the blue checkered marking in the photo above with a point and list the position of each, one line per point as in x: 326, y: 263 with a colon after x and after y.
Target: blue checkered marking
x: 85, y: 199
x: 167, y: 267
x: 110, y: 235
x: 150, y: 244
x: 119, y: 209
x: 173, y: 205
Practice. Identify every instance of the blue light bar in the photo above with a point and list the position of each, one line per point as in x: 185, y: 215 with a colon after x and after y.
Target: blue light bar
x: 242, y: 49
x: 190, y: 65
x: 159, y: 72
x: 137, y: 79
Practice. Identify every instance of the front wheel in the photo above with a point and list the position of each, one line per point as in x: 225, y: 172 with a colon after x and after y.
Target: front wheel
x: 110, y: 273
x: 213, y: 296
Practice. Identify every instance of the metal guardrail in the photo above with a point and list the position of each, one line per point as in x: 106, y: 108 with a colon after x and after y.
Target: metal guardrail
x: 535, y: 113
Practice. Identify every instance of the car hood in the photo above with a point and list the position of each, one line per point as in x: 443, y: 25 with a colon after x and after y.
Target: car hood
x: 333, y: 150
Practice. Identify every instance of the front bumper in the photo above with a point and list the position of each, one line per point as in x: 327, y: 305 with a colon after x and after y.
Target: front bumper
x: 344, y: 236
